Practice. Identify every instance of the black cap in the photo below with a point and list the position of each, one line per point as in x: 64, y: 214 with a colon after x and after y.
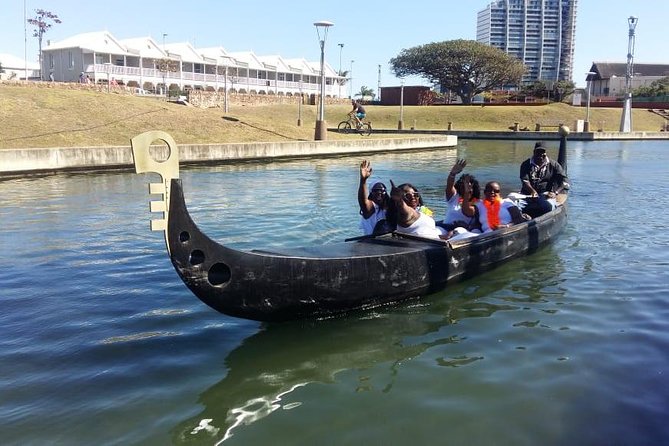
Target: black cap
x: 539, y: 147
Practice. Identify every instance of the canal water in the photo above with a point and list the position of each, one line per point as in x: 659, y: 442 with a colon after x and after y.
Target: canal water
x: 101, y: 343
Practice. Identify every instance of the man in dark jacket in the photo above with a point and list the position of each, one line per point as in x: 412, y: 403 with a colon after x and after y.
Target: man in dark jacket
x: 542, y: 179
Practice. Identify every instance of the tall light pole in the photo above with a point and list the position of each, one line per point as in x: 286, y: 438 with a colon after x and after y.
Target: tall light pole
x: 225, y: 88
x: 378, y: 86
x: 400, y: 124
x: 341, y: 47
x: 588, y: 79
x: 350, y: 76
x: 299, y: 104
x: 321, y: 128
x: 167, y: 93
x: 25, y: 41
x: 626, y: 118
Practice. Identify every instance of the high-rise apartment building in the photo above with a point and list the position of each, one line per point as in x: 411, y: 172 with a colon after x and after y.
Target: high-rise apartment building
x: 540, y: 33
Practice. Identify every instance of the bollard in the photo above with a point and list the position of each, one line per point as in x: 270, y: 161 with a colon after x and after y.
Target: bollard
x: 537, y: 127
x: 515, y: 126
x: 450, y: 125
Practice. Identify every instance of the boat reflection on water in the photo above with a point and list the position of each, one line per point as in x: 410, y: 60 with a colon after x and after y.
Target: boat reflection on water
x: 283, y: 357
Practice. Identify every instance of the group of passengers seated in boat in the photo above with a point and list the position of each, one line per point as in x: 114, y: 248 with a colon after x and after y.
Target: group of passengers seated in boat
x: 467, y: 213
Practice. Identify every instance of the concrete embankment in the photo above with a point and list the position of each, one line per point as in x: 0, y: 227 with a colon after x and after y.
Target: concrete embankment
x: 533, y: 136
x: 21, y: 161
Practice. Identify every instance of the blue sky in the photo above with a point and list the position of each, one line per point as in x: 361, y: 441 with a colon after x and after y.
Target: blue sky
x: 372, y: 32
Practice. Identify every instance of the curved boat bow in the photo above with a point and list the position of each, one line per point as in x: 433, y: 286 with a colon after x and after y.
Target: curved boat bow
x: 320, y: 281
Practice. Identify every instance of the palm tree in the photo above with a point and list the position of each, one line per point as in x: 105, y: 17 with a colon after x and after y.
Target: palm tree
x: 344, y: 77
x: 365, y: 92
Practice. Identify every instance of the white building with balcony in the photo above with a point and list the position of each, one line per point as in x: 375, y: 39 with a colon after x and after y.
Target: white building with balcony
x: 143, y: 63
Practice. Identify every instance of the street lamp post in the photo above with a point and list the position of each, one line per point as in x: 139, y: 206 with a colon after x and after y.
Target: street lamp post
x: 378, y: 86
x: 25, y: 41
x: 321, y: 127
x: 225, y: 88
x: 350, y: 75
x: 626, y: 118
x: 299, y: 105
x: 341, y: 47
x: 586, y: 124
x: 108, y: 67
x: 400, y: 124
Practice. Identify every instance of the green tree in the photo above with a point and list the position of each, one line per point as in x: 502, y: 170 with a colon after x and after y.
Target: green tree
x: 465, y: 67
x: 658, y: 87
x: 537, y: 89
x: 365, y: 92
x: 167, y: 66
x: 562, y: 89
x: 42, y: 23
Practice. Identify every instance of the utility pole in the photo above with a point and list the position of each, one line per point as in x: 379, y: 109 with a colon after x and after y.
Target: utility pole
x: 378, y: 86
x: 350, y: 75
x: 25, y: 41
x: 626, y: 118
x: 341, y: 47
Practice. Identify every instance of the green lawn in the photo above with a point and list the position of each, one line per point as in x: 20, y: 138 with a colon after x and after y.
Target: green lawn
x: 70, y: 117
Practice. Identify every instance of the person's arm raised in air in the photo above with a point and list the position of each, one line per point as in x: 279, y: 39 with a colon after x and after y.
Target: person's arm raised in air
x: 468, y: 207
x: 366, y: 205
x: 450, y: 181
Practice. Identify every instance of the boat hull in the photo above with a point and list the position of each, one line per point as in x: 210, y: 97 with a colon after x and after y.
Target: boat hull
x: 322, y: 281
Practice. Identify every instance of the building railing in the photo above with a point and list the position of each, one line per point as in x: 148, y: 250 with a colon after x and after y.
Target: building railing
x: 105, y: 72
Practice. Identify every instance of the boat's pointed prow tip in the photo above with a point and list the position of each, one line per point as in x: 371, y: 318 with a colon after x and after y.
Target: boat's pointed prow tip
x: 144, y: 160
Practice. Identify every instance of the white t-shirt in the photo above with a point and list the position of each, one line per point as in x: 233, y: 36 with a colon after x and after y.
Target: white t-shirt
x: 423, y: 227
x: 454, y: 211
x: 367, y: 224
x: 504, y: 214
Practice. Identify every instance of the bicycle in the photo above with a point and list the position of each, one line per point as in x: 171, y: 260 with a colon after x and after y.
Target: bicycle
x: 352, y: 124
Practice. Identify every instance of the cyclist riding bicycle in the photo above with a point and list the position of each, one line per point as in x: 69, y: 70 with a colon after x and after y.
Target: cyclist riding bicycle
x: 358, y: 112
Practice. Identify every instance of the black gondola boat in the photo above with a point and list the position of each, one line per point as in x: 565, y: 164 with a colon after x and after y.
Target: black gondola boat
x: 320, y: 281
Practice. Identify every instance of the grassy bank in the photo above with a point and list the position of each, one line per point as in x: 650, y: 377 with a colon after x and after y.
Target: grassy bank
x: 60, y: 117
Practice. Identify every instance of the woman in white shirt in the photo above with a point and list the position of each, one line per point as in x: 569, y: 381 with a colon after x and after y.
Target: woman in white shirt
x: 409, y: 219
x: 373, y: 205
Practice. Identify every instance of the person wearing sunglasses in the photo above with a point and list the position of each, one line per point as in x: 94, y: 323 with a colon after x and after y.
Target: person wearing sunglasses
x: 414, y: 199
x: 495, y: 212
x: 542, y: 179
x: 373, y: 205
x: 461, y: 198
x: 405, y: 212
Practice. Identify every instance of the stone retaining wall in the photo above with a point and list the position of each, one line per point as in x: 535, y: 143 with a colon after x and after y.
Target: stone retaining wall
x: 197, y: 98
x: 208, y: 99
x: 22, y: 161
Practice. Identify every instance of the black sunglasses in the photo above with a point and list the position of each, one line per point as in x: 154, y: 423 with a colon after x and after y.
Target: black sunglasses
x: 409, y: 195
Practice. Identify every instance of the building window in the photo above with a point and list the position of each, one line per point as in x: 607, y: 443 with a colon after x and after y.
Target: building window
x: 51, y: 61
x: 70, y: 60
